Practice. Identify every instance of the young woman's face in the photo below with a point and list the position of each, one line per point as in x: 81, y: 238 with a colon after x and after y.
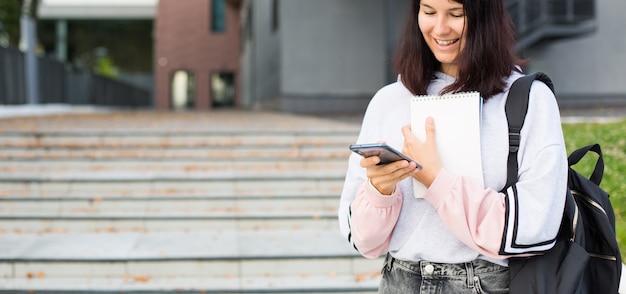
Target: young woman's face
x: 442, y: 22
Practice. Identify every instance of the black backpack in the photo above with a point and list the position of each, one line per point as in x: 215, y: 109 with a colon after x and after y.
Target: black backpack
x: 586, y: 257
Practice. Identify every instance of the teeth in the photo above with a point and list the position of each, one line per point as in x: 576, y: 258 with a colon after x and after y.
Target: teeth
x: 442, y: 42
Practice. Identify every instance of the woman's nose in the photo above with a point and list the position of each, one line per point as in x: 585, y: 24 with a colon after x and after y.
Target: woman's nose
x: 441, y: 25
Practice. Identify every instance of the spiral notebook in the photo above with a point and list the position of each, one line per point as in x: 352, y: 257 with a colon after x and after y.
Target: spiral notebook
x: 457, y: 124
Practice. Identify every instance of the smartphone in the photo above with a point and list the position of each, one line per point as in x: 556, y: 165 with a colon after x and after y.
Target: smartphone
x: 386, y: 153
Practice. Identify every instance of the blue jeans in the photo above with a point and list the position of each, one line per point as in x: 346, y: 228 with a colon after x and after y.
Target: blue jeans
x: 424, y: 277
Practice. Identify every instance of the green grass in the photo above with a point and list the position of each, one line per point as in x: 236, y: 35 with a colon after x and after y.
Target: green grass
x: 612, y: 139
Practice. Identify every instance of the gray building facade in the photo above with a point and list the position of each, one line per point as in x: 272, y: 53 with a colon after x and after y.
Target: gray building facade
x: 590, y: 69
x: 332, y: 56
x: 261, y: 54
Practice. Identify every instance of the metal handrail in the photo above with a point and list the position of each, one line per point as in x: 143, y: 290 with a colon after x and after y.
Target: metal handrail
x: 537, y: 19
x: 62, y: 83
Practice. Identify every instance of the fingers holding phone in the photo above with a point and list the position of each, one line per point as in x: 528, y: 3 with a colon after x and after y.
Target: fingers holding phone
x: 385, y: 177
x: 385, y: 166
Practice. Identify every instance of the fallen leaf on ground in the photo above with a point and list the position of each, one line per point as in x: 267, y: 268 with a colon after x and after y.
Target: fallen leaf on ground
x: 141, y: 279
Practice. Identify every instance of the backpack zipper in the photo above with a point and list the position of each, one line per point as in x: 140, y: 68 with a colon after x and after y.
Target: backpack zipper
x: 601, y: 256
x: 599, y: 207
x: 589, y: 200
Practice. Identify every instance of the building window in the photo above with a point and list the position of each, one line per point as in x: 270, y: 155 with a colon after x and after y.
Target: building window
x: 223, y: 89
x: 249, y: 25
x: 183, y: 85
x: 275, y: 15
x: 218, y: 16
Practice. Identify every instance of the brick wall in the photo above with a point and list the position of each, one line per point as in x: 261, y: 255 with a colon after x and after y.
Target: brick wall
x: 184, y: 41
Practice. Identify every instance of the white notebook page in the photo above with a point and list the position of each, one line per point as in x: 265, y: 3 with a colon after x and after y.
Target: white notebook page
x: 457, y: 126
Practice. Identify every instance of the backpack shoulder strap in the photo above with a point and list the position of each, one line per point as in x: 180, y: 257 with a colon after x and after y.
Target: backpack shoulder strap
x: 515, y: 108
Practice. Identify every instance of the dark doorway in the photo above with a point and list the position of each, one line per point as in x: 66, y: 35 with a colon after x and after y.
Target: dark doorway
x: 223, y: 89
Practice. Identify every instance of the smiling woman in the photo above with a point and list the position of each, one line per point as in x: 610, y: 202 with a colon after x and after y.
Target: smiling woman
x: 443, y: 26
x: 481, y: 22
x: 457, y: 238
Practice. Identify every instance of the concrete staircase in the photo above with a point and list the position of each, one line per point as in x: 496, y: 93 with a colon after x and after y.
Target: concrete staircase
x: 147, y: 202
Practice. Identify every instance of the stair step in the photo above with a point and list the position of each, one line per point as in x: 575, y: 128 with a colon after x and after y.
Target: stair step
x: 166, y: 213
x: 299, y: 282
x: 168, y: 206
x: 179, y: 154
x: 164, y: 225
x: 174, y: 122
x: 80, y: 216
x: 170, y: 186
x: 77, y: 140
x: 170, y: 197
x: 172, y: 177
x: 146, y: 169
x: 175, y: 246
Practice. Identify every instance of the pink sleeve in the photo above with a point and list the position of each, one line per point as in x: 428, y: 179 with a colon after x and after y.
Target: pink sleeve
x: 373, y: 217
x: 477, y: 221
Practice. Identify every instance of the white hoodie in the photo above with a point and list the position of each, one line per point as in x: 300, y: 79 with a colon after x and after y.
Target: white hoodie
x: 459, y: 220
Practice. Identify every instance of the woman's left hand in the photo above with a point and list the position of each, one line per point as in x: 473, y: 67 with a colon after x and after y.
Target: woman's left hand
x: 423, y: 152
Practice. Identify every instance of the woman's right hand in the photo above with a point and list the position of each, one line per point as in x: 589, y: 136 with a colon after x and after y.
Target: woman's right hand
x: 385, y: 177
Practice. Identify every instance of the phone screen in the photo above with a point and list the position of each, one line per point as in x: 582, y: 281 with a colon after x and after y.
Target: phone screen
x: 386, y: 153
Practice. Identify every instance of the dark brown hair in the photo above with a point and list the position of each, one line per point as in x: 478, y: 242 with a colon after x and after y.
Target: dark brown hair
x: 486, y: 61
